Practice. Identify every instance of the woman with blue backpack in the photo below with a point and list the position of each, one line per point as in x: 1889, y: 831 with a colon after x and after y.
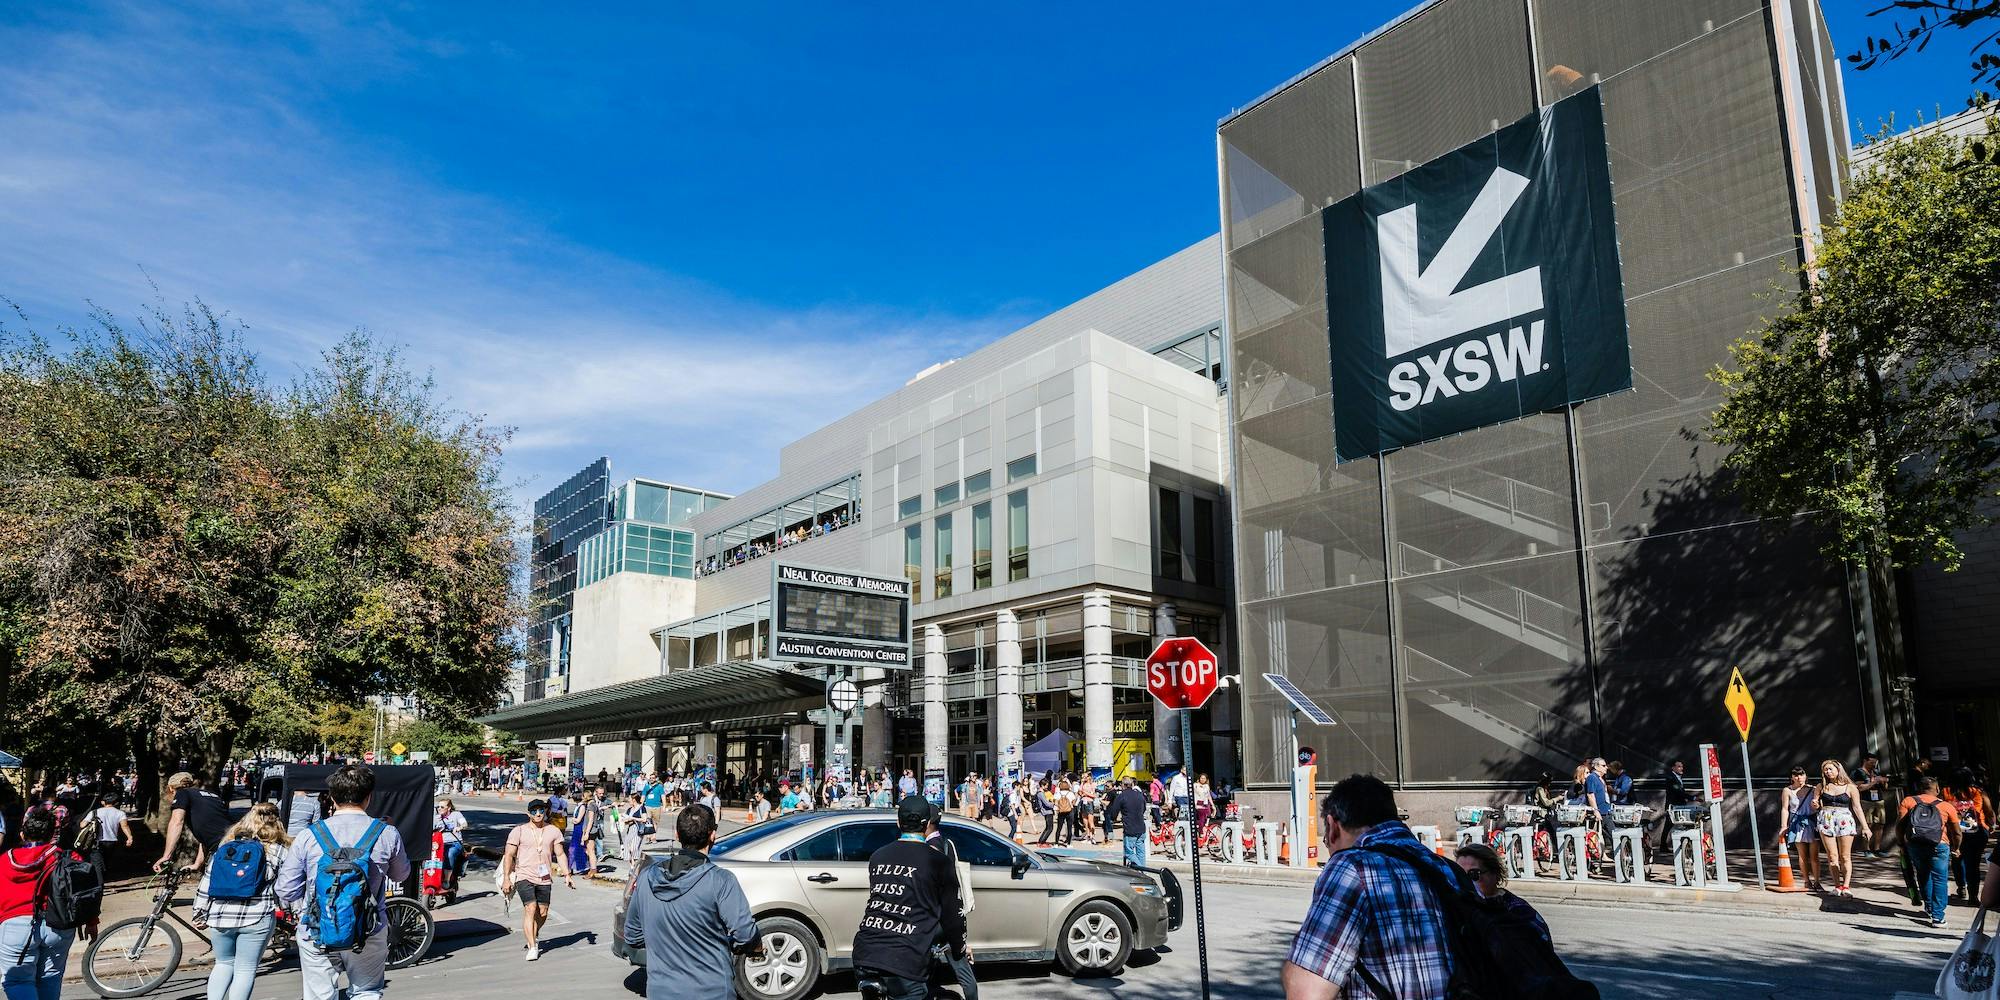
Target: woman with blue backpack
x: 237, y: 901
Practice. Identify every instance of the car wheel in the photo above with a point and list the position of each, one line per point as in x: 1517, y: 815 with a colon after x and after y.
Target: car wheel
x: 1096, y: 940
x: 790, y: 966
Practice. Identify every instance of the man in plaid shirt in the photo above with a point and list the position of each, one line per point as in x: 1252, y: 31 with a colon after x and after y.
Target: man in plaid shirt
x: 1373, y: 929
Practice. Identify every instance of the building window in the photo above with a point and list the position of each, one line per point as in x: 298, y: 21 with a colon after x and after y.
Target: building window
x: 1170, y: 534
x: 944, y: 556
x: 1020, y: 468
x: 982, y: 546
x: 945, y: 496
x: 1017, y: 536
x: 1204, y: 542
x: 913, y: 560
x: 910, y: 507
x: 977, y: 483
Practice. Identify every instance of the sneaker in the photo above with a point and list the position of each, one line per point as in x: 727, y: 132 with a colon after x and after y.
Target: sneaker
x: 534, y: 952
x: 1937, y: 923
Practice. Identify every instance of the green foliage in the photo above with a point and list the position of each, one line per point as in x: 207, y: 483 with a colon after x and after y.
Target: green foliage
x: 345, y: 729
x: 188, y: 556
x: 1872, y: 402
x: 448, y: 741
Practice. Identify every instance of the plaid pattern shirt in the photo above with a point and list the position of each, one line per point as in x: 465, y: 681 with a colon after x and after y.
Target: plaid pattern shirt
x: 1375, y: 911
x: 226, y: 914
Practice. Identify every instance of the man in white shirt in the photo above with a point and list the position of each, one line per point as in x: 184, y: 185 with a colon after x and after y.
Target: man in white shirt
x: 1177, y: 790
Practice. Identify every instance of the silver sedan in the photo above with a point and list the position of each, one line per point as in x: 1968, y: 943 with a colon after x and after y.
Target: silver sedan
x: 806, y: 878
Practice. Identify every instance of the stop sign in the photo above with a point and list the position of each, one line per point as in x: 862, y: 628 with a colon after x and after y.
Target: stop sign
x: 1182, y: 673
x: 368, y: 757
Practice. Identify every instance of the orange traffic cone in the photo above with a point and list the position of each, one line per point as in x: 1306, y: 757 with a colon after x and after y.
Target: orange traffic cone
x: 1284, y: 849
x: 1785, y: 883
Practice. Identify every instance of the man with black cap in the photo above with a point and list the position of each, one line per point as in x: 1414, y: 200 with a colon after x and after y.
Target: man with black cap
x: 959, y: 962
x: 913, y: 901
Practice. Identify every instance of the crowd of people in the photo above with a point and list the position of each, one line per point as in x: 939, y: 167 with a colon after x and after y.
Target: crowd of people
x: 822, y: 525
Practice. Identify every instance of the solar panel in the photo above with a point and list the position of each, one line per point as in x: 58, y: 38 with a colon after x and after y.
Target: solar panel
x: 1299, y: 700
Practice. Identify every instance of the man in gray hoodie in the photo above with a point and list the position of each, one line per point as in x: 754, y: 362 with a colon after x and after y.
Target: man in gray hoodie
x: 690, y: 917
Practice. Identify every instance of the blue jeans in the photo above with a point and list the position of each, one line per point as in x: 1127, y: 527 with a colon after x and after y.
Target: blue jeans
x: 1135, y: 851
x: 1932, y: 863
x: 237, y: 951
x: 366, y: 971
x: 34, y: 965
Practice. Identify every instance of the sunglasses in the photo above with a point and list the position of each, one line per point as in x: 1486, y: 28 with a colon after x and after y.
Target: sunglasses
x: 538, y: 812
x: 1476, y: 872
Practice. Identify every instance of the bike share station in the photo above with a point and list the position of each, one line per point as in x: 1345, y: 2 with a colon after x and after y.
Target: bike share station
x: 1523, y: 838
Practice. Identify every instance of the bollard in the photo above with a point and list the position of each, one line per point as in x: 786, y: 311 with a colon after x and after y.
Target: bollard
x: 1267, y: 843
x: 1232, y: 840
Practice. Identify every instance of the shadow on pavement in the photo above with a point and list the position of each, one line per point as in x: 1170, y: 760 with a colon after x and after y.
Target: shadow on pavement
x: 552, y: 944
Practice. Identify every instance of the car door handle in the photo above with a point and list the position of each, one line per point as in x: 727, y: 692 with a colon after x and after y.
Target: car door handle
x: 822, y: 878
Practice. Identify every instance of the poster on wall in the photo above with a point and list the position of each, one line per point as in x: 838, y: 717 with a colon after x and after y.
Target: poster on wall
x: 1479, y: 287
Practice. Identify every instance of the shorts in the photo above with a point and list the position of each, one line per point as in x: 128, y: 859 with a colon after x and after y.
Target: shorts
x: 1836, y: 823
x: 530, y: 892
x: 1877, y: 813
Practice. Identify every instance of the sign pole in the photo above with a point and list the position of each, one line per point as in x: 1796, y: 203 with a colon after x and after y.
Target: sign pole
x: 1194, y: 849
x: 1295, y: 825
x: 1750, y: 802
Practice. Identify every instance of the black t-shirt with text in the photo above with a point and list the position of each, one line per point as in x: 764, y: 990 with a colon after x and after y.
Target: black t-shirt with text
x: 913, y: 902
x: 207, y: 815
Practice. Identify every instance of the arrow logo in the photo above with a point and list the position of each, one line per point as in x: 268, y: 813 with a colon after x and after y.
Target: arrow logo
x: 1420, y: 307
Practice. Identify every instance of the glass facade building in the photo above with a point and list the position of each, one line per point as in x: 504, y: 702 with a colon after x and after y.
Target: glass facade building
x: 564, y: 518
x: 585, y: 530
x: 1484, y: 608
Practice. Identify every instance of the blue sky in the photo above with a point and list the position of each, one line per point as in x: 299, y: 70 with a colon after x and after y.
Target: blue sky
x: 674, y: 234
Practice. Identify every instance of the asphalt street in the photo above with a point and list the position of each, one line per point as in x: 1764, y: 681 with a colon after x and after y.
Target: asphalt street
x: 1629, y: 951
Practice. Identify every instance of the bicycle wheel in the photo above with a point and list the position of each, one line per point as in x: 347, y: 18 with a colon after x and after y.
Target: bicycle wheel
x: 410, y: 929
x: 1621, y: 863
x: 1567, y: 860
x: 132, y: 958
x: 1517, y: 864
x: 1685, y: 864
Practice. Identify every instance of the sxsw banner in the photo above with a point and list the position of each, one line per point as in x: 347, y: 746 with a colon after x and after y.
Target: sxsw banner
x: 1478, y: 287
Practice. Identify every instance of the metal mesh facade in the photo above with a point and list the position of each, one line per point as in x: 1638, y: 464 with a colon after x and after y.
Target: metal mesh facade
x: 1440, y: 600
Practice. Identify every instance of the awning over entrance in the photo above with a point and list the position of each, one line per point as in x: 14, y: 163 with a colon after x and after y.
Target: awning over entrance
x: 692, y: 700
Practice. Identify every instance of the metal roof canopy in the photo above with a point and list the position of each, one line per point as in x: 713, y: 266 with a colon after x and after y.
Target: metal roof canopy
x: 717, y: 622
x: 695, y: 697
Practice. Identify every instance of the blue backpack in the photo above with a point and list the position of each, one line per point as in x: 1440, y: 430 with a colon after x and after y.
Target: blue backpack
x: 341, y: 906
x: 238, y: 870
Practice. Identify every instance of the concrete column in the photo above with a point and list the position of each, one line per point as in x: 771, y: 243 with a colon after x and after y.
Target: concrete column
x: 1007, y: 692
x: 935, y: 731
x: 874, y: 719
x: 804, y: 735
x: 1097, y: 681
x: 704, y: 749
x: 1166, y: 727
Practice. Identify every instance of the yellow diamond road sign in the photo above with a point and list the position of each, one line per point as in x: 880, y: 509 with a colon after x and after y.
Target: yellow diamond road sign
x: 1739, y: 703
x: 397, y: 749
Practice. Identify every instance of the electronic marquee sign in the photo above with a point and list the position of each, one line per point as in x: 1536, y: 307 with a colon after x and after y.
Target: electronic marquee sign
x: 832, y: 616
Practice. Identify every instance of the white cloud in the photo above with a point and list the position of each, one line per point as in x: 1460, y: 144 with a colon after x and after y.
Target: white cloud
x: 153, y: 145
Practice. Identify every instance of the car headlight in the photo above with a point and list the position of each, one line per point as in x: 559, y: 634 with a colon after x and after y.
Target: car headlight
x: 1145, y: 888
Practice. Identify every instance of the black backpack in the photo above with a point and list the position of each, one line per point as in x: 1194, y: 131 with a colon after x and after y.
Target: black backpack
x: 69, y: 893
x: 1926, y: 822
x: 1497, y: 954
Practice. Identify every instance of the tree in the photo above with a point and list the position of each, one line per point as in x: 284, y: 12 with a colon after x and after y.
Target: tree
x: 447, y: 740
x: 178, y: 540
x: 1873, y: 403
x: 346, y: 730
x: 1932, y: 16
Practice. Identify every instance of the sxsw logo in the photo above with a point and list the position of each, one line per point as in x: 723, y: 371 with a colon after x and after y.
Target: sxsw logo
x: 1437, y: 310
x: 1476, y: 288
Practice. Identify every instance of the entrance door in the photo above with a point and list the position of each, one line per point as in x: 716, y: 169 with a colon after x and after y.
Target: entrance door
x: 979, y: 762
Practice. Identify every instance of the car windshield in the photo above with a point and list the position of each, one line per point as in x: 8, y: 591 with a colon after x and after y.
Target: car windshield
x: 750, y: 835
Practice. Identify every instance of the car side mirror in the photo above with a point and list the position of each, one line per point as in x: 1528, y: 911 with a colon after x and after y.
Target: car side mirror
x: 1021, y: 865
